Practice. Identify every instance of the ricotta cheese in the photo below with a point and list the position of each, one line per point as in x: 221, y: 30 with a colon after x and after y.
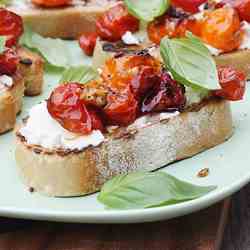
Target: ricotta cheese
x: 130, y: 39
x: 213, y: 51
x: 6, y: 80
x: 246, y: 40
x: 41, y: 129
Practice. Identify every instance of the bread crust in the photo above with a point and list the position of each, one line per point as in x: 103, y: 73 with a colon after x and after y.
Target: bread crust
x: 68, y: 22
x: 11, y: 103
x: 146, y: 148
x: 31, y: 67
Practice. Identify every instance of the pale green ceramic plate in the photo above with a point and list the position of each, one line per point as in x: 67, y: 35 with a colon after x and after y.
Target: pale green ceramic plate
x: 229, y: 166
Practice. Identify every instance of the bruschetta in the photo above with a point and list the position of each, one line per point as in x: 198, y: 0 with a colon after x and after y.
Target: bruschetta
x: 135, y: 116
x: 21, y: 71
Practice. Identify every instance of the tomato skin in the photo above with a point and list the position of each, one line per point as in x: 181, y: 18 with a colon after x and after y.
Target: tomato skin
x: 161, y: 27
x: 192, y: 25
x: 65, y: 106
x: 51, y: 3
x: 242, y: 7
x: 11, y: 26
x: 233, y: 84
x: 191, y: 6
x: 87, y: 42
x: 122, y: 108
x: 113, y: 24
x: 167, y: 95
x: 221, y: 29
x: 8, y: 62
x: 96, y: 120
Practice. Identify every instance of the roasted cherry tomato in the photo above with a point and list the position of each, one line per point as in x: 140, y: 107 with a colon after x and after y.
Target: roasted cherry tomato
x: 65, y: 106
x: 188, y: 24
x: 233, y: 84
x: 221, y: 29
x: 161, y: 27
x: 167, y: 95
x: 8, y: 62
x: 51, y: 3
x: 96, y: 120
x: 113, y: 24
x: 11, y: 26
x: 121, y: 108
x: 191, y: 6
x: 87, y: 42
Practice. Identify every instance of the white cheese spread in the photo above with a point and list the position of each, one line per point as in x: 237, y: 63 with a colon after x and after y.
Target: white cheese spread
x: 41, y: 129
x: 6, y: 80
x: 129, y: 38
x: 246, y: 40
x: 213, y: 51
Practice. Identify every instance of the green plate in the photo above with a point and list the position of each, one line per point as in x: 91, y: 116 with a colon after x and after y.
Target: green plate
x: 229, y: 166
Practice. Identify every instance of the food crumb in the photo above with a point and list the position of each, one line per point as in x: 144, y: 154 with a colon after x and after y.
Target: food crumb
x: 31, y: 189
x: 203, y: 172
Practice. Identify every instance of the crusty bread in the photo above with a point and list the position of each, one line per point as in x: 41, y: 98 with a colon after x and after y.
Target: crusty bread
x: 31, y: 67
x: 239, y: 59
x: 11, y: 103
x: 68, y: 22
x: 147, y: 147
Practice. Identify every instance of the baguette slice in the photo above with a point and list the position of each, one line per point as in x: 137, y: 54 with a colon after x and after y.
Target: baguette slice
x: 147, y: 147
x: 11, y: 103
x: 67, y: 22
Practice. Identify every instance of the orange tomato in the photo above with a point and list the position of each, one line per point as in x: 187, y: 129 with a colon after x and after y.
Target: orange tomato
x: 191, y: 25
x: 221, y: 29
x: 51, y: 3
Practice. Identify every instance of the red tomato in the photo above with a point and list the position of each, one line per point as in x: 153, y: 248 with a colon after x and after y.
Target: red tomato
x: 221, y: 29
x: 87, y: 42
x: 161, y: 27
x: 51, y: 3
x: 8, y: 62
x: 113, y: 24
x: 65, y: 106
x: 192, y: 25
x: 11, y: 26
x: 96, y: 120
x: 167, y: 95
x: 233, y: 84
x: 121, y: 108
x: 191, y: 6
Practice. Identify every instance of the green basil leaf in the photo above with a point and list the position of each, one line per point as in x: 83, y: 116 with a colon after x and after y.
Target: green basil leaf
x: 147, y: 10
x: 190, y: 62
x: 80, y: 74
x: 56, y: 52
x: 144, y: 190
x: 2, y: 43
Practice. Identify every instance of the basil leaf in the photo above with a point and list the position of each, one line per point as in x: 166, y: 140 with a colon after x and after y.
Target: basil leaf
x: 144, y: 190
x: 190, y: 62
x: 147, y: 10
x: 56, y: 52
x: 80, y: 74
x: 2, y: 43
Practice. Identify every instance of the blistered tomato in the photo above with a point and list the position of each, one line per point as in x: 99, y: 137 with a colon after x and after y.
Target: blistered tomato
x: 166, y: 95
x: 113, y: 24
x: 191, y: 6
x: 87, y: 42
x: 161, y: 27
x: 192, y: 25
x: 233, y: 84
x: 221, y: 29
x: 121, y: 108
x: 65, y: 106
x: 96, y: 120
x: 8, y: 62
x: 11, y: 26
x: 51, y: 3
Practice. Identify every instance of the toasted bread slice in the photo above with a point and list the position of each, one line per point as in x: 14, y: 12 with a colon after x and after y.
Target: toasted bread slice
x: 67, y: 22
x: 145, y: 147
x: 31, y: 67
x: 11, y: 103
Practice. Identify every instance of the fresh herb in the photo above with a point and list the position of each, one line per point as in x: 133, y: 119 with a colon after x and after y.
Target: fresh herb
x: 147, y: 10
x: 80, y: 74
x: 190, y: 62
x: 2, y: 43
x: 144, y: 190
x: 56, y: 52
